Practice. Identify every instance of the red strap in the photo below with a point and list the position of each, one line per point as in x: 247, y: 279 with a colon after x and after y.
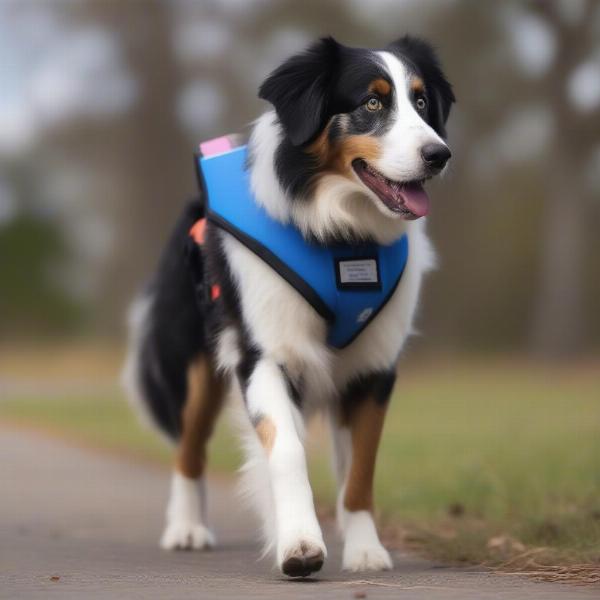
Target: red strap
x: 198, y: 231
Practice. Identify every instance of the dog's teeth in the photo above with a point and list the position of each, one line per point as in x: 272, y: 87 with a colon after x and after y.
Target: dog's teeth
x: 395, y: 186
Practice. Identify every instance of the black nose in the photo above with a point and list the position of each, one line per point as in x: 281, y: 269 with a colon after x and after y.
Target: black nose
x: 435, y: 155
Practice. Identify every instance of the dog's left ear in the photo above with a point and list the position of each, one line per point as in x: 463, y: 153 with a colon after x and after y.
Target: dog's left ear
x: 424, y: 58
x: 299, y: 90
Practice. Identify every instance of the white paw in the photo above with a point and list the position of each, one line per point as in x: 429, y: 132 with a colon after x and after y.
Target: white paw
x: 373, y: 557
x: 302, y: 557
x: 186, y: 536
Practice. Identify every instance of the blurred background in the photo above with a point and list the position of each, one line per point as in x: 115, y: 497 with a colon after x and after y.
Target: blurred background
x: 101, y: 105
x: 103, y: 102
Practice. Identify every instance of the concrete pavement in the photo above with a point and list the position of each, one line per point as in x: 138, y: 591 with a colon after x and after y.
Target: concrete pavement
x: 79, y: 524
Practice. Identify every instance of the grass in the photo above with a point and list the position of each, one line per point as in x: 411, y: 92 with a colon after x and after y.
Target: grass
x: 482, y: 463
x: 495, y: 463
x: 106, y: 422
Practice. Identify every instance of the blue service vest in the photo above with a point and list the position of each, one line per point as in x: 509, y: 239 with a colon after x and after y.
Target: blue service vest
x: 347, y: 284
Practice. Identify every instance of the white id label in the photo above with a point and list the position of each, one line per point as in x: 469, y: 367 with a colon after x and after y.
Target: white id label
x: 358, y: 271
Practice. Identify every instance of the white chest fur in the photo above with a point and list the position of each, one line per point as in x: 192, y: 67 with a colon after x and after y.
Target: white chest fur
x: 288, y: 330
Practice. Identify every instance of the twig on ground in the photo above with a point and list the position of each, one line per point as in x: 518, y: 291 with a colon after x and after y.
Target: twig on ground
x: 397, y: 585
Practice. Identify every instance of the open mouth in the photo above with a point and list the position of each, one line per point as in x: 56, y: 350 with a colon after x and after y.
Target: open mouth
x: 407, y: 198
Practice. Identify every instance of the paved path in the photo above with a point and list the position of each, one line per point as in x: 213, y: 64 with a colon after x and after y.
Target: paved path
x: 93, y: 521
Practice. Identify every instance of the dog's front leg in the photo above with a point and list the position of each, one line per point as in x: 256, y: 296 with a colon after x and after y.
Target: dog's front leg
x: 279, y: 426
x: 356, y: 438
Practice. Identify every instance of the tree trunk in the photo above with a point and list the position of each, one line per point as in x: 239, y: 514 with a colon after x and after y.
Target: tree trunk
x: 557, y: 325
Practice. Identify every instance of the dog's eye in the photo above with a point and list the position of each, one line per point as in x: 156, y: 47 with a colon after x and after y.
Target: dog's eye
x: 374, y: 104
x: 421, y: 103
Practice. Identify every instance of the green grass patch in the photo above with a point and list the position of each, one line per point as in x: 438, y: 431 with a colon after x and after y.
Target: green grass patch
x: 471, y: 453
x: 107, y: 422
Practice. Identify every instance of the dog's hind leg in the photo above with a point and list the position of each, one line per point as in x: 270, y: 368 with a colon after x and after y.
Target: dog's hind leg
x: 356, y: 433
x: 186, y: 511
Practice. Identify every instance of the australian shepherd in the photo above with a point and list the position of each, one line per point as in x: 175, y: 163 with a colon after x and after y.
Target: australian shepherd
x: 342, y: 154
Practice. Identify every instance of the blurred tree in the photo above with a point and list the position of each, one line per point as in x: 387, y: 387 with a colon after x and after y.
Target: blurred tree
x: 33, y: 302
x: 145, y: 151
x: 559, y: 316
x: 516, y: 188
x: 512, y: 219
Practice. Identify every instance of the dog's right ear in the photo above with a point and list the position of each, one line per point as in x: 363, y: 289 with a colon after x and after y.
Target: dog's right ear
x: 299, y: 90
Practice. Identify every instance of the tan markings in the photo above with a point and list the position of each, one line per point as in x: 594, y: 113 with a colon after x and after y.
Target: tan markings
x: 266, y: 432
x: 380, y: 86
x: 338, y: 157
x: 417, y: 85
x: 205, y: 392
x: 355, y: 146
x: 366, y: 424
x: 321, y: 147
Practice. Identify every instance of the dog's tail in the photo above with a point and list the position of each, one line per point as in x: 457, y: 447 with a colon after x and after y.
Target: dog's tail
x: 166, y: 332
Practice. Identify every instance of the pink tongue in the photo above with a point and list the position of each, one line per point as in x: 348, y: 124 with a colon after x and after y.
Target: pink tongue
x: 415, y: 199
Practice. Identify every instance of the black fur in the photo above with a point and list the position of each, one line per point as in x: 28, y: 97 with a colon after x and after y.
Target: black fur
x: 174, y: 330
x: 226, y: 310
x: 294, y: 387
x: 295, y: 168
x: 325, y: 80
x: 376, y: 385
x: 422, y: 57
x: 245, y: 368
x: 184, y: 321
x: 312, y: 87
x: 300, y: 88
x: 307, y: 91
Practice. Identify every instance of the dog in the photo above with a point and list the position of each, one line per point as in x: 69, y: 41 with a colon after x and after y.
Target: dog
x: 338, y: 161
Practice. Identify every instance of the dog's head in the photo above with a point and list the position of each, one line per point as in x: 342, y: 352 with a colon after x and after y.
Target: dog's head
x: 372, y: 118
